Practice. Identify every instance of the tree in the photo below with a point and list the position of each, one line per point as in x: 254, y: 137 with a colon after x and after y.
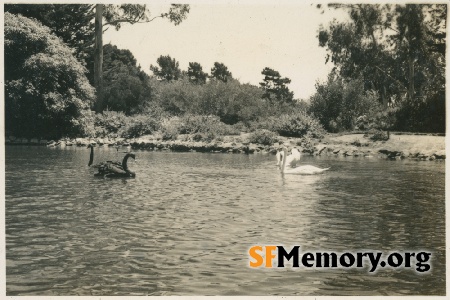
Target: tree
x: 220, y: 72
x: 168, y: 68
x: 116, y: 15
x: 275, y: 86
x: 47, y: 92
x: 396, y: 49
x: 381, y: 39
x: 338, y: 103
x: 196, y: 74
x: 126, y: 86
x: 71, y: 22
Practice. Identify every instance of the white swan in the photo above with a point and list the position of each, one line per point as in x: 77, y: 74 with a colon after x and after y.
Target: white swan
x: 301, y: 170
x: 291, y: 160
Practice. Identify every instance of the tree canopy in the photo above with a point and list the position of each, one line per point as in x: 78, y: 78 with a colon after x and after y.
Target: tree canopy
x: 168, y: 68
x: 196, y: 74
x: 275, y: 86
x: 396, y: 48
x: 71, y: 22
x: 220, y: 72
x: 398, y: 51
x: 126, y: 86
x: 47, y: 92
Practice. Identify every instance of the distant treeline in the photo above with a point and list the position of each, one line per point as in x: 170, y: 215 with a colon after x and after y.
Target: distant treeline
x: 389, y: 75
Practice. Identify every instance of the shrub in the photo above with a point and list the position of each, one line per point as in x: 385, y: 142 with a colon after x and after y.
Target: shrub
x: 203, y: 137
x: 297, y: 124
x: 356, y: 142
x: 169, y: 128
x: 205, y: 124
x: 377, y: 135
x: 381, y: 119
x: 306, y: 143
x: 109, y: 123
x: 139, y: 125
x: 338, y: 103
x: 264, y: 137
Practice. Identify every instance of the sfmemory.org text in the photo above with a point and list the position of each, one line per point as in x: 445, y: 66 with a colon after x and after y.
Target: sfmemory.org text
x: 265, y: 256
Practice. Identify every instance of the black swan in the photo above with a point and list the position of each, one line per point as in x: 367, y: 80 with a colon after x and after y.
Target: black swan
x: 112, y: 169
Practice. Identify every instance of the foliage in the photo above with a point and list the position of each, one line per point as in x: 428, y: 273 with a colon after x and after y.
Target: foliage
x: 116, y: 15
x: 381, y: 120
x: 264, y: 137
x: 196, y: 74
x: 117, y: 124
x: 231, y: 102
x: 275, y: 86
x: 139, y: 125
x: 425, y: 115
x: 71, y: 22
x: 398, y: 51
x: 204, y: 124
x: 298, y: 125
x: 338, y: 103
x: 220, y: 72
x: 170, y: 128
x: 126, y: 86
x: 47, y: 93
x: 377, y: 135
x: 168, y: 68
x: 199, y: 127
x: 177, y: 13
x: 109, y: 123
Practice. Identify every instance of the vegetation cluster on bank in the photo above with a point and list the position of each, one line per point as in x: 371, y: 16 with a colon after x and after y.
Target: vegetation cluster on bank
x: 389, y: 75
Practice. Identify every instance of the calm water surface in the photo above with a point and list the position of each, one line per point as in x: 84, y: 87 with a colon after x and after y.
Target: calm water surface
x: 184, y: 225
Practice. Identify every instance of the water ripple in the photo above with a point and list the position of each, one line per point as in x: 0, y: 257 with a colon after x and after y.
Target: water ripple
x: 183, y: 226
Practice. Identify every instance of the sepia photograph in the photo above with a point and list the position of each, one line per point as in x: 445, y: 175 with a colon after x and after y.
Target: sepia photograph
x: 228, y: 148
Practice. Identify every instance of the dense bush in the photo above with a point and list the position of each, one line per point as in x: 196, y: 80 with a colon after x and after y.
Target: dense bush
x: 298, y: 125
x: 109, y: 123
x: 295, y: 124
x: 169, y: 128
x: 117, y: 124
x: 231, y: 101
x: 380, y: 120
x: 47, y: 92
x: 264, y: 137
x: 205, y: 124
x: 338, y: 103
x: 377, y: 135
x: 424, y: 114
x: 125, y: 85
x: 202, y: 128
x: 139, y: 125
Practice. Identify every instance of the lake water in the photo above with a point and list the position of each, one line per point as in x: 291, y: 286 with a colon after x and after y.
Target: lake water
x: 184, y: 225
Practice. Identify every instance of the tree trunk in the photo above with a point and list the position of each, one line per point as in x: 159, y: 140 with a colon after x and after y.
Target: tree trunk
x: 411, y: 79
x: 384, y: 99
x: 98, y: 57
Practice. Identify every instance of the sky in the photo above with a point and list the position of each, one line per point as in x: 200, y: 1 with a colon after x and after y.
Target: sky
x: 245, y: 36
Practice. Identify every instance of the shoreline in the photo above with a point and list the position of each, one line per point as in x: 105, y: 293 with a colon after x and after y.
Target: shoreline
x: 399, y: 146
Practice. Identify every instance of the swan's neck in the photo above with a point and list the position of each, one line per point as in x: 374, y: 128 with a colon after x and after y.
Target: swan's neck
x: 125, y: 163
x: 283, y: 165
x: 91, y: 157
